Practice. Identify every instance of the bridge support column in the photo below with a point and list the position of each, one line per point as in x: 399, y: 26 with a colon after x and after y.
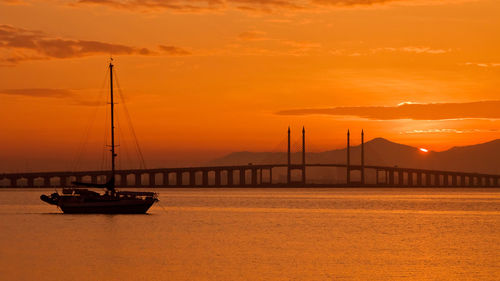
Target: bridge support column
x: 391, y: 177
x: 166, y: 179
x: 427, y: 179
x: 123, y: 180
x: 230, y: 175
x: 410, y: 178
x: 46, y: 181
x: 288, y: 171
x: 271, y: 176
x: 93, y: 179
x: 205, y: 178
x: 152, y: 179
x: 348, y: 161
x: 260, y: 177
x: 192, y: 178
x: 362, y: 157
x: 419, y: 179
x: 138, y: 180
x: 454, y: 180
x: 445, y: 179
x: 13, y: 182
x: 178, y: 178
x: 217, y: 177
x: 401, y: 179
x: 31, y: 182
x: 63, y: 181
x: 242, y: 177
x: 462, y: 180
x: 254, y: 176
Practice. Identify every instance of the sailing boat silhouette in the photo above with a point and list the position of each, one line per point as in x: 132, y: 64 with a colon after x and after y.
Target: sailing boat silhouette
x: 84, y: 201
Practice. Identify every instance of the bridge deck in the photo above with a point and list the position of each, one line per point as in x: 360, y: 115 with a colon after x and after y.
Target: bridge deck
x: 221, y: 176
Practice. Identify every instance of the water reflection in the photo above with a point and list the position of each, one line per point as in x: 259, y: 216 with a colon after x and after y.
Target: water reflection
x: 250, y: 234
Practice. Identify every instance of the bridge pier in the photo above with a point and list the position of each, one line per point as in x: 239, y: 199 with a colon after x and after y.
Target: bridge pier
x: 123, y: 180
x: 270, y: 176
x: 192, y: 178
x: 427, y: 179
x: 217, y: 178
x: 138, y: 180
x: 204, y: 178
x: 254, y: 176
x: 230, y: 174
x: 410, y: 178
x: 242, y: 177
x: 152, y: 179
x: 13, y: 182
x: 166, y: 179
x: 178, y: 178
x: 454, y: 180
x: 63, y: 181
x: 419, y: 179
x: 260, y: 177
x: 391, y: 177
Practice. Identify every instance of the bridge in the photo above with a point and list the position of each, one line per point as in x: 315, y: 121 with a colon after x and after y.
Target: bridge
x: 346, y: 175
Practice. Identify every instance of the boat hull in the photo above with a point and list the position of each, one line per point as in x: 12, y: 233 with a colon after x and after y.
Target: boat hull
x: 107, y: 207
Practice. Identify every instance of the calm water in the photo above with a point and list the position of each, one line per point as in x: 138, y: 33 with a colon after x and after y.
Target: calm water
x: 260, y: 234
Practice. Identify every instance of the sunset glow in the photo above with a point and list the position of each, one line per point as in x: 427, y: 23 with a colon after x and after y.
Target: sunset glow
x: 423, y: 150
x: 205, y: 78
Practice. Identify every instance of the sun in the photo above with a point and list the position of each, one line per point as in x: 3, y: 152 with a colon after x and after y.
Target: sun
x: 423, y: 150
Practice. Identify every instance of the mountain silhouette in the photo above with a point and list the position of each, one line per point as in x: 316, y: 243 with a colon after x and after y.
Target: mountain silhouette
x: 479, y: 158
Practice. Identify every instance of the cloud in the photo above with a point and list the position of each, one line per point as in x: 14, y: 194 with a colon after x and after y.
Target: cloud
x: 18, y: 44
x: 174, y: 51
x: 38, y: 92
x: 71, y: 97
x: 148, y: 5
x: 249, y: 5
x: 485, y: 65
x: 252, y: 36
x: 448, y: 131
x: 12, y: 2
x: 414, y: 111
x: 413, y: 49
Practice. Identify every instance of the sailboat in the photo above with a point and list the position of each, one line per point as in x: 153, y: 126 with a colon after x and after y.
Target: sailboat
x: 76, y: 200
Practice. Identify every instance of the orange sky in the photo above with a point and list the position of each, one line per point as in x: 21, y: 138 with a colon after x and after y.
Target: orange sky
x: 207, y: 77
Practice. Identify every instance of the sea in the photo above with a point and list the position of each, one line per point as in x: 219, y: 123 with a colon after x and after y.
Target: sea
x: 259, y: 234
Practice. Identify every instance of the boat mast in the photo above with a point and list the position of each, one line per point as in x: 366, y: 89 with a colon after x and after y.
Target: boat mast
x: 113, y: 154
